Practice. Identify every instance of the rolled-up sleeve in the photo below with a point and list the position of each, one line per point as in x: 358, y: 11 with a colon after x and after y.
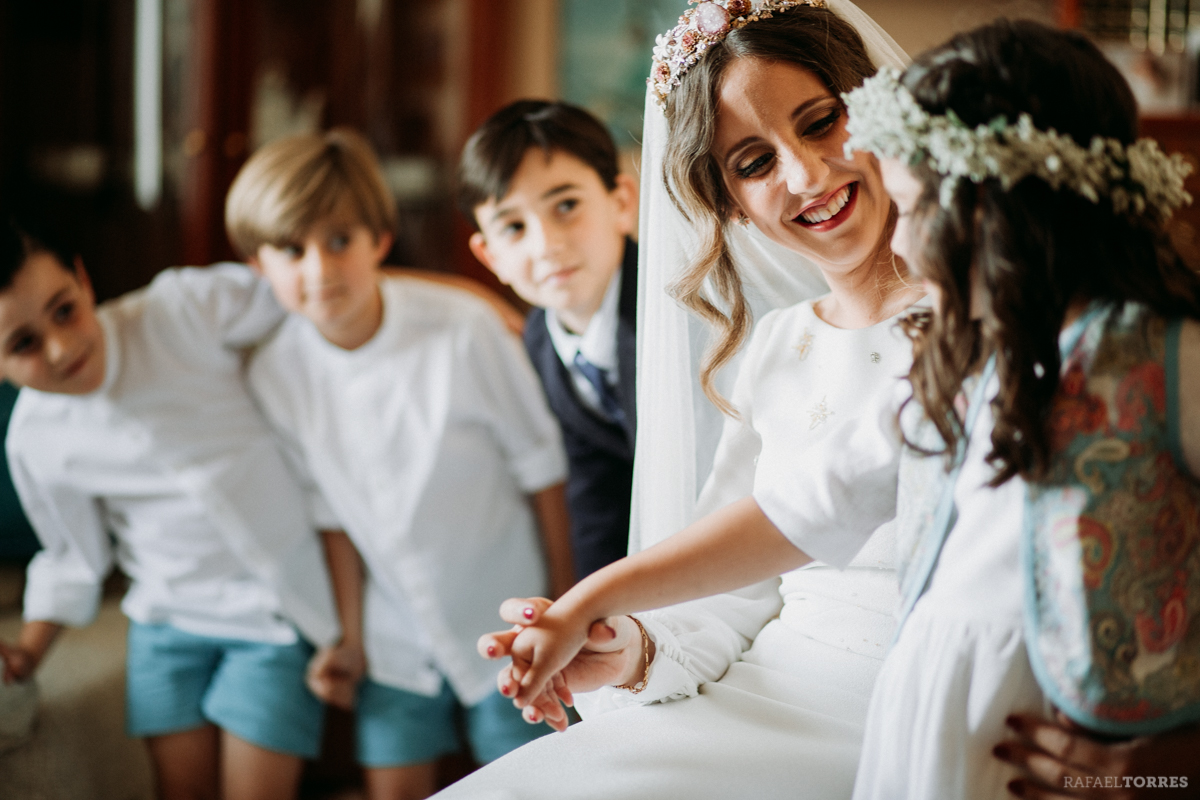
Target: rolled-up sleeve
x: 64, y: 579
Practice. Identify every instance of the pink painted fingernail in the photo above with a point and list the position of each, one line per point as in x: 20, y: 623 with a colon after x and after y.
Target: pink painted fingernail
x: 1002, y: 751
x: 505, y: 690
x: 491, y: 650
x: 1013, y: 722
x: 527, y: 613
x: 1017, y: 787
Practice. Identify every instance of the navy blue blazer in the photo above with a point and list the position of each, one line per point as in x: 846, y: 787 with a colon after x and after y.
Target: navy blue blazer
x: 599, y: 452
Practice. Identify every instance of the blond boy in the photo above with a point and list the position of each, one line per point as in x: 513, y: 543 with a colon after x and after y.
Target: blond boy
x: 427, y: 439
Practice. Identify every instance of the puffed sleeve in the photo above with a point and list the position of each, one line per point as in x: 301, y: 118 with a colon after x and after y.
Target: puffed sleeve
x: 848, y: 498
x: 516, y: 406
x: 65, y: 577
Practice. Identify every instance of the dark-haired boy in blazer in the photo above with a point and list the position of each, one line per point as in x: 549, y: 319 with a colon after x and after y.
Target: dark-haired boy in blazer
x: 540, y: 182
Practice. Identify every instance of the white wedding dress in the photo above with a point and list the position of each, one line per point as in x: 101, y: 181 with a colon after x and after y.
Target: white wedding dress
x: 786, y: 720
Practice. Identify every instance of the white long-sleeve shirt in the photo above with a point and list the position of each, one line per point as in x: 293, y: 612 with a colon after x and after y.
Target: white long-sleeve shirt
x: 169, y: 469
x: 422, y: 444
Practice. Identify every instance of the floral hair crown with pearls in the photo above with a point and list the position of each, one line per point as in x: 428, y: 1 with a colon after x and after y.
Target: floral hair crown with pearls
x: 700, y: 28
x: 1139, y: 179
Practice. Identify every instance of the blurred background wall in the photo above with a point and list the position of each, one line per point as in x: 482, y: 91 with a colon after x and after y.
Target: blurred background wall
x: 127, y: 119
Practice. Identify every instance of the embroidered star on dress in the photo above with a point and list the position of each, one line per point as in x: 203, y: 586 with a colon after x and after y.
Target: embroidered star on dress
x: 820, y: 412
x: 804, y: 346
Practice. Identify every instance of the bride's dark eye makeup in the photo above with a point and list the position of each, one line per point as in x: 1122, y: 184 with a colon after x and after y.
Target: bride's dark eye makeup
x: 825, y: 123
x: 754, y: 167
x: 827, y: 118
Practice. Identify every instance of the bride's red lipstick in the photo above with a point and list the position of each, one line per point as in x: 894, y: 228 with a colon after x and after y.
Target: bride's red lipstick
x: 837, y: 219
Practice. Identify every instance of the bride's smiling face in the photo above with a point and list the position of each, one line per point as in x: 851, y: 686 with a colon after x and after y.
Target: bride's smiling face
x: 778, y: 146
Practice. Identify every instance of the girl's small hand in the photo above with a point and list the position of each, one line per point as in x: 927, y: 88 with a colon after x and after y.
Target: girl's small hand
x: 1059, y: 759
x: 548, y: 706
x: 541, y: 650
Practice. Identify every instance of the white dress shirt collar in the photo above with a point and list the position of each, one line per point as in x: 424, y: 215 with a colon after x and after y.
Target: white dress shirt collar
x: 598, y: 343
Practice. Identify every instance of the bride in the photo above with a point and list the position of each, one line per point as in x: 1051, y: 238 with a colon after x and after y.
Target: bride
x: 768, y: 685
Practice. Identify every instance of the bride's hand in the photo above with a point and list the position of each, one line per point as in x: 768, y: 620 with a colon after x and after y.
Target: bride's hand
x: 612, y: 655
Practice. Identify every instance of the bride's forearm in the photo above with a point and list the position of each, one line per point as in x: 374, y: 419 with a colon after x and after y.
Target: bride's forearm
x: 726, y: 550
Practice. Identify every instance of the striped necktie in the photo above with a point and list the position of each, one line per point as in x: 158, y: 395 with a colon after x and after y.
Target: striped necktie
x: 598, y: 379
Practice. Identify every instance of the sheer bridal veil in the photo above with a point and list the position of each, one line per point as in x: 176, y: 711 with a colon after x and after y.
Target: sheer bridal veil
x: 678, y: 427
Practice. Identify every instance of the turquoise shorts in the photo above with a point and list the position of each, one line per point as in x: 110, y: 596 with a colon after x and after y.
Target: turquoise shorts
x: 178, y: 681
x: 398, y: 728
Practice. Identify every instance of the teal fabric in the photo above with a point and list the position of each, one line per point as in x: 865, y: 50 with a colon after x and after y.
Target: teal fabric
x: 178, y: 681
x: 17, y: 540
x: 399, y: 728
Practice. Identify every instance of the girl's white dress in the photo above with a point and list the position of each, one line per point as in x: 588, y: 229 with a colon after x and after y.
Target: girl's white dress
x: 959, y: 667
x: 773, y: 681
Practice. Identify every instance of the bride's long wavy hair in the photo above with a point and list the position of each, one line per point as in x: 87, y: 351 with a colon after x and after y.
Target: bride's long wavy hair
x: 1030, y: 252
x: 814, y: 39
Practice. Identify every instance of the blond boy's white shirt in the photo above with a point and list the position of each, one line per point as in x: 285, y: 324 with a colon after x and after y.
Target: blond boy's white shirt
x: 422, y: 445
x: 172, y: 457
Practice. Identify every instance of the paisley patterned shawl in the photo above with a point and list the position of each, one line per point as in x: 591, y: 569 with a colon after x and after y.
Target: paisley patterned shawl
x: 1111, y: 542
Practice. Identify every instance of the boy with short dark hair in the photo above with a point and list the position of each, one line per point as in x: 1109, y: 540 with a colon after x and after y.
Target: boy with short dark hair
x: 134, y: 441
x: 553, y: 215
x: 427, y: 439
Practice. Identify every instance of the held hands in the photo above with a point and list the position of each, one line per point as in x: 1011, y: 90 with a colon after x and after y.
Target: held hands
x: 554, y: 657
x: 334, y: 673
x: 1059, y: 759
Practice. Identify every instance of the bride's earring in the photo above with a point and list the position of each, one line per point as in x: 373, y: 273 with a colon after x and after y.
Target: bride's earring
x: 743, y: 220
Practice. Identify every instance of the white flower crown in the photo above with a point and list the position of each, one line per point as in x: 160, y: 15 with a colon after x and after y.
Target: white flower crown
x: 886, y: 120
x: 700, y: 28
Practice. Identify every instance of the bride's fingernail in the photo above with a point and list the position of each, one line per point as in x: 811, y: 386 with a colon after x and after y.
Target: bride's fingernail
x: 527, y: 613
x: 491, y: 650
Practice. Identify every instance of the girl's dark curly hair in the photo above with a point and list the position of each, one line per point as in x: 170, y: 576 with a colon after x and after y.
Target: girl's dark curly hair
x: 1029, y: 252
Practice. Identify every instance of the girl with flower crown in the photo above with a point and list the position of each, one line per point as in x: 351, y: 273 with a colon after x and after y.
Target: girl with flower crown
x: 768, y: 686
x: 1049, y: 522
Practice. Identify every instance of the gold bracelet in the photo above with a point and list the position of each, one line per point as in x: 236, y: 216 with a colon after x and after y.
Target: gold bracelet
x: 636, y: 688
